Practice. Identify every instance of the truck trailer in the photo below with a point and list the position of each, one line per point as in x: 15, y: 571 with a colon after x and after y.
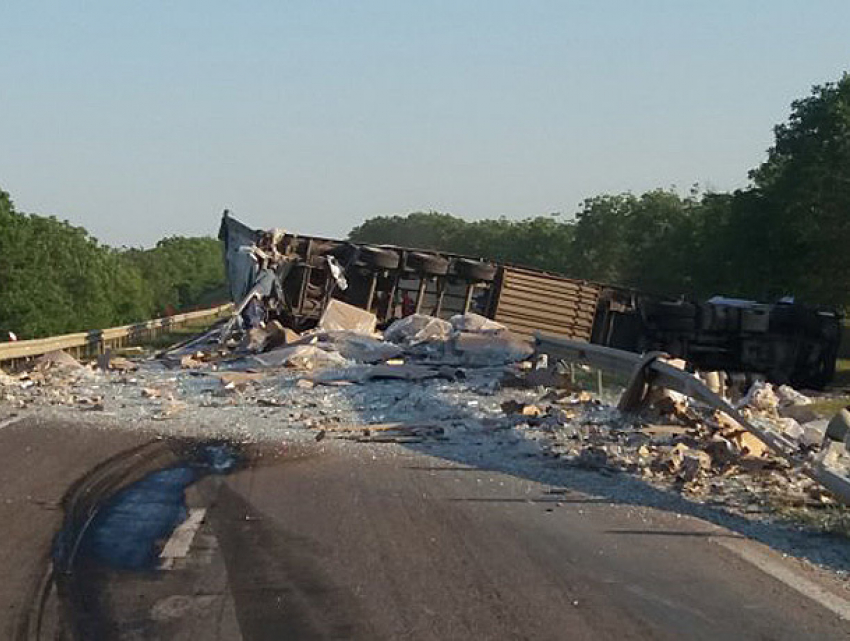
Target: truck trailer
x: 280, y: 275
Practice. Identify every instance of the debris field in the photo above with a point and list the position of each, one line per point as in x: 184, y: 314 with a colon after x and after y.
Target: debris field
x: 429, y: 383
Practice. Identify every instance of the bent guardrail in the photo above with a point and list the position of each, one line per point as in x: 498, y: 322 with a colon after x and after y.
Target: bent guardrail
x: 650, y: 370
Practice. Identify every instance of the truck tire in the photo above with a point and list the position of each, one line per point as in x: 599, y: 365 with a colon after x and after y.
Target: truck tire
x: 474, y: 270
x: 377, y: 257
x: 429, y: 264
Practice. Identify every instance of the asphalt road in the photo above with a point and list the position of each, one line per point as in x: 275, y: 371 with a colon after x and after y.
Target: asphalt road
x: 329, y: 544
x: 378, y: 542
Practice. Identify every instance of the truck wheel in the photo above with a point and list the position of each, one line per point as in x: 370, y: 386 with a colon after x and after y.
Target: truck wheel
x: 430, y: 264
x: 377, y: 257
x: 475, y: 270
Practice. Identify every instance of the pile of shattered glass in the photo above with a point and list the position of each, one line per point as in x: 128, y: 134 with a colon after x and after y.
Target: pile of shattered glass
x: 463, y: 382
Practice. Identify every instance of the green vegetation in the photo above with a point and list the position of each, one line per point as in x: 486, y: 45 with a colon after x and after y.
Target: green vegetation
x: 842, y: 373
x: 829, y: 406
x: 787, y: 233
x: 181, y: 272
x: 829, y: 519
x: 56, y: 278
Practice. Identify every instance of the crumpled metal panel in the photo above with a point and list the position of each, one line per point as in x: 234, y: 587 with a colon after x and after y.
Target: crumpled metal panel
x: 240, y: 266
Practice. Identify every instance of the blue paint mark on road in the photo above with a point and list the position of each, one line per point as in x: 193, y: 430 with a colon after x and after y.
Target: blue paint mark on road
x: 126, y: 530
x: 129, y: 530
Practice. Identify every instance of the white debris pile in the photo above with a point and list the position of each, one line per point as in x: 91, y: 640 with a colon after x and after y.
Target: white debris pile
x: 417, y: 329
x: 704, y: 454
x: 463, y: 383
x: 54, y: 377
x: 344, y: 349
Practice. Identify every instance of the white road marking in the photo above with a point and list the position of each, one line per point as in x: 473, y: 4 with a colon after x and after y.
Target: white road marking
x: 751, y: 553
x: 10, y: 421
x: 178, y: 544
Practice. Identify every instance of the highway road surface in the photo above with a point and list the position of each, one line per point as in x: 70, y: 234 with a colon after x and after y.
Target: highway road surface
x: 353, y: 541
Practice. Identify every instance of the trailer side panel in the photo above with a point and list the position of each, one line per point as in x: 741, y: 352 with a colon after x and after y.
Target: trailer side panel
x: 529, y: 301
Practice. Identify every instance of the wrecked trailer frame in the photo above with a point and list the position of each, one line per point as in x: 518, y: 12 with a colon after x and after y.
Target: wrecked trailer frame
x: 785, y: 342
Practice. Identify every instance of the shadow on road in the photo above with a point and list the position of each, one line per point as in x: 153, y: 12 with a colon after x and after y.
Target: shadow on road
x: 474, y: 450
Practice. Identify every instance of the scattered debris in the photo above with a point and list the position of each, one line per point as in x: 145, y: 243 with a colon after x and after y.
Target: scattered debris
x: 361, y: 348
x: 277, y: 335
x: 169, y: 408
x: 426, y: 380
x: 515, y: 407
x: 365, y: 373
x: 788, y: 396
x: 107, y: 361
x: 301, y: 357
x: 761, y: 397
x: 237, y: 380
x: 491, y: 349
x: 341, y: 316
x: 94, y: 403
x: 475, y: 323
x: 57, y: 360
x: 7, y: 380
x: 839, y: 427
x: 418, y: 328
x: 191, y: 361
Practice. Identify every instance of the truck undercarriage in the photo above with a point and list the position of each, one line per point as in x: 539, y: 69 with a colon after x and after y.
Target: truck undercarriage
x: 275, y: 275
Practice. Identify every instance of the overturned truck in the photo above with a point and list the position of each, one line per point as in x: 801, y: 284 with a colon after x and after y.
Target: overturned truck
x: 277, y: 275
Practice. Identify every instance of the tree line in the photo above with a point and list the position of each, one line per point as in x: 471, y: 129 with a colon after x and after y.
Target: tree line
x: 787, y: 233
x: 56, y: 278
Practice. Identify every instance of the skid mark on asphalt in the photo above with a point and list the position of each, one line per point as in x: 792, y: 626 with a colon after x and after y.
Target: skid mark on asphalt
x: 277, y: 581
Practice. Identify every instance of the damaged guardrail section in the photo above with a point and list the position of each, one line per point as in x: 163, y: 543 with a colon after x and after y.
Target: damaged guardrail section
x: 96, y: 341
x: 826, y: 465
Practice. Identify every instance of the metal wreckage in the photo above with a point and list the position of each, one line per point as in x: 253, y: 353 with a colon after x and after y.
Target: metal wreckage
x: 275, y: 275
x: 690, y: 361
x: 346, y: 341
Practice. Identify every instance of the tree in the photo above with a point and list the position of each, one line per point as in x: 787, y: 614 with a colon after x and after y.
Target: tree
x: 423, y: 230
x: 542, y: 242
x: 805, y: 186
x: 640, y: 241
x: 55, y: 278
x: 181, y: 272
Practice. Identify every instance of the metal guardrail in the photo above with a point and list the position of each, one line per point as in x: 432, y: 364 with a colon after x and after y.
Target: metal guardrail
x: 649, y: 370
x: 96, y: 341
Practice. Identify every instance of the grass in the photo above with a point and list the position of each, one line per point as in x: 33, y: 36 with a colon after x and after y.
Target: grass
x: 829, y: 407
x: 831, y: 519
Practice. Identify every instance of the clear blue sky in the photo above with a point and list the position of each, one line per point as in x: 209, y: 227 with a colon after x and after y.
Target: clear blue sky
x: 144, y: 119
